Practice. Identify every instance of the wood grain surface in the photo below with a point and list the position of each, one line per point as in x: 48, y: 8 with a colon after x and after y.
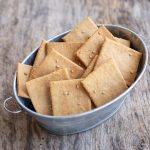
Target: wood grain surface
x: 23, y: 24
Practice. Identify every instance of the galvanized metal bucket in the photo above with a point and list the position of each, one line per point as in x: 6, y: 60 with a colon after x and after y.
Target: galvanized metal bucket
x: 65, y: 125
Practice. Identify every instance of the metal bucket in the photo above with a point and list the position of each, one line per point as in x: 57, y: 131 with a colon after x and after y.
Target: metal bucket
x: 65, y: 125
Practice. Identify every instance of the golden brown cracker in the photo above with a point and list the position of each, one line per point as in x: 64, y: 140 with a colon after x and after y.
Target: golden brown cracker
x: 91, y: 48
x: 90, y: 67
x: 67, y: 49
x: 106, y: 33
x: 54, y: 61
x: 69, y: 97
x: 82, y: 31
x: 41, y: 53
x: 126, y: 58
x: 123, y: 41
x: 105, y: 83
x: 23, y: 72
x: 39, y: 90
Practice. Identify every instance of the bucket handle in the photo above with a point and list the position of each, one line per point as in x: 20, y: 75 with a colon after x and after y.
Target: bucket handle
x: 7, y: 109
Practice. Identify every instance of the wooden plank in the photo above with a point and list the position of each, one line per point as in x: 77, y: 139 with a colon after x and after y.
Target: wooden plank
x: 23, y: 24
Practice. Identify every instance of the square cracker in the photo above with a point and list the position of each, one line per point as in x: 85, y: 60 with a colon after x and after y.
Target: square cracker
x: 39, y: 90
x: 38, y: 59
x: 105, y: 83
x: 67, y: 49
x: 23, y: 72
x: 123, y: 41
x: 69, y: 97
x: 91, y: 48
x: 126, y: 58
x: 54, y: 61
x: 81, y: 32
x: 90, y: 67
x: 106, y: 33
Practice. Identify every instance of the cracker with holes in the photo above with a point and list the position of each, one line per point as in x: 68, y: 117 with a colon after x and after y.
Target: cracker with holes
x: 38, y: 90
x: 105, y: 83
x: 81, y: 32
x: 126, y: 58
x: 69, y: 97
x: 54, y: 61
x: 38, y: 59
x: 90, y: 68
x: 67, y: 49
x: 23, y: 72
x: 106, y: 33
x: 123, y: 41
x: 91, y: 48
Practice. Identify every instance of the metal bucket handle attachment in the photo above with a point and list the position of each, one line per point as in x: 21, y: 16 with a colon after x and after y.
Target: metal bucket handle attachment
x: 7, y: 109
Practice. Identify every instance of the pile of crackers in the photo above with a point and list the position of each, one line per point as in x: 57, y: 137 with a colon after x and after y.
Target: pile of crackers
x: 88, y: 69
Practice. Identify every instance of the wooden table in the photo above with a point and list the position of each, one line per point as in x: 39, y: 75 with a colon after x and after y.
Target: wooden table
x: 23, y: 24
